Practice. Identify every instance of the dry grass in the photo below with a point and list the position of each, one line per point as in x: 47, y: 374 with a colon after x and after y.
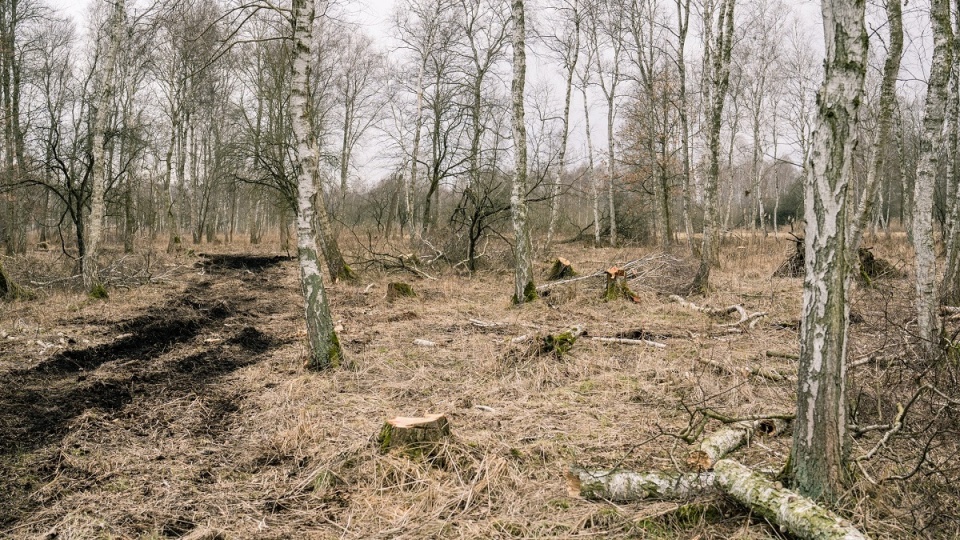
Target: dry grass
x: 223, y: 429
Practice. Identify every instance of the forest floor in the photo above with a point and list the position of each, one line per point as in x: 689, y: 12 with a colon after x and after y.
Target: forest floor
x: 182, y: 406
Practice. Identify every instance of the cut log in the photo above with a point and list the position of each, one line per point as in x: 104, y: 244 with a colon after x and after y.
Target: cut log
x: 561, y: 269
x: 794, y: 514
x: 617, y: 285
x: 399, y: 290
x: 626, y: 486
x: 417, y: 435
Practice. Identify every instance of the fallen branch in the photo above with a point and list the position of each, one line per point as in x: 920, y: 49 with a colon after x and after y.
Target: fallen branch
x: 626, y: 341
x: 758, y: 371
x: 779, y: 354
x: 485, y: 324
x: 794, y: 514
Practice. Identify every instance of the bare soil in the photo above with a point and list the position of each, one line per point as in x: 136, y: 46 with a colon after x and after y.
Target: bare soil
x: 182, y: 407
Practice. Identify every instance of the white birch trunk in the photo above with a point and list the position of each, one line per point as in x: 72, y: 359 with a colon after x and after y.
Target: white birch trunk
x: 524, y: 289
x: 325, y: 351
x: 888, y: 101
x: 928, y: 319
x: 719, y: 66
x: 817, y: 464
x: 91, y: 279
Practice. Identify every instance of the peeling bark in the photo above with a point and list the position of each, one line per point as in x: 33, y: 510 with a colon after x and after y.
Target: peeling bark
x: 524, y: 289
x: 818, y: 456
x: 324, y: 346
x: 927, y: 300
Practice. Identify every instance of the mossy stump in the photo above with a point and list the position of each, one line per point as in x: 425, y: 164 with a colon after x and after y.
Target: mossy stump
x: 561, y: 269
x: 415, y: 435
x: 9, y: 290
x: 617, y: 285
x: 397, y: 290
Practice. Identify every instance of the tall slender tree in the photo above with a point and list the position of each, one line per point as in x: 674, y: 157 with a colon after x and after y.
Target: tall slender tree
x: 99, y: 170
x: 325, y: 351
x: 717, y: 65
x: 927, y: 301
x: 817, y: 464
x: 524, y: 289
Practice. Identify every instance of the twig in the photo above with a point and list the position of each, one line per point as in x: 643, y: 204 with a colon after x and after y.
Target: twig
x: 897, y: 424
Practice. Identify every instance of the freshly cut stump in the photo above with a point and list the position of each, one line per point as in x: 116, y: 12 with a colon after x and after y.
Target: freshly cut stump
x: 616, y: 286
x: 561, y: 269
x: 414, y: 434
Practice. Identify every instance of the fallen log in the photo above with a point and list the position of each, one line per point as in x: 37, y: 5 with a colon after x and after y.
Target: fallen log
x: 746, y: 371
x: 794, y: 514
x: 722, y: 442
x: 626, y: 486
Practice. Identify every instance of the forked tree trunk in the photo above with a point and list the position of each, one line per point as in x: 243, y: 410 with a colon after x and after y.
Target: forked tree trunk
x: 718, y: 83
x: 524, y: 290
x: 927, y: 301
x: 888, y: 101
x: 325, y: 351
x: 818, y: 456
x: 99, y: 169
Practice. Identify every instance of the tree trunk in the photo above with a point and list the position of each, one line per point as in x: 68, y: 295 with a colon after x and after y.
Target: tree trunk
x: 99, y: 170
x: 950, y: 289
x: 571, y: 66
x: 325, y: 351
x: 928, y: 319
x: 718, y: 83
x: 888, y: 101
x: 524, y: 290
x: 683, y: 16
x: 818, y: 456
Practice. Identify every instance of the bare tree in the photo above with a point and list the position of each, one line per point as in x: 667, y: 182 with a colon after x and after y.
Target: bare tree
x: 716, y: 81
x: 817, y: 463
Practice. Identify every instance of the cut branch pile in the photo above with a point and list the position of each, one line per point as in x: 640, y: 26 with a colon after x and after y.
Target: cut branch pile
x: 658, y: 272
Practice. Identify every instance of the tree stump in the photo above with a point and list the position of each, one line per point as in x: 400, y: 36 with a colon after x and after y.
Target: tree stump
x: 399, y: 290
x: 416, y: 435
x: 561, y: 269
x: 617, y: 285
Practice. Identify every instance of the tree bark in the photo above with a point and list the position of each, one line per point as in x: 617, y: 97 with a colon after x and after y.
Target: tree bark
x: 99, y: 170
x: 524, y: 290
x: 888, y: 102
x: 818, y: 456
x: 324, y: 346
x: 928, y: 318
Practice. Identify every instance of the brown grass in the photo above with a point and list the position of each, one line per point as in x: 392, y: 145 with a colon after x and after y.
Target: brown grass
x: 264, y: 449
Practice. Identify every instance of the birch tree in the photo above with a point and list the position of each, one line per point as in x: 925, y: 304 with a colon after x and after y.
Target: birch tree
x: 886, y: 107
x: 565, y: 44
x: 524, y: 289
x: 927, y: 301
x: 716, y: 81
x: 99, y: 171
x: 817, y: 464
x: 325, y: 351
